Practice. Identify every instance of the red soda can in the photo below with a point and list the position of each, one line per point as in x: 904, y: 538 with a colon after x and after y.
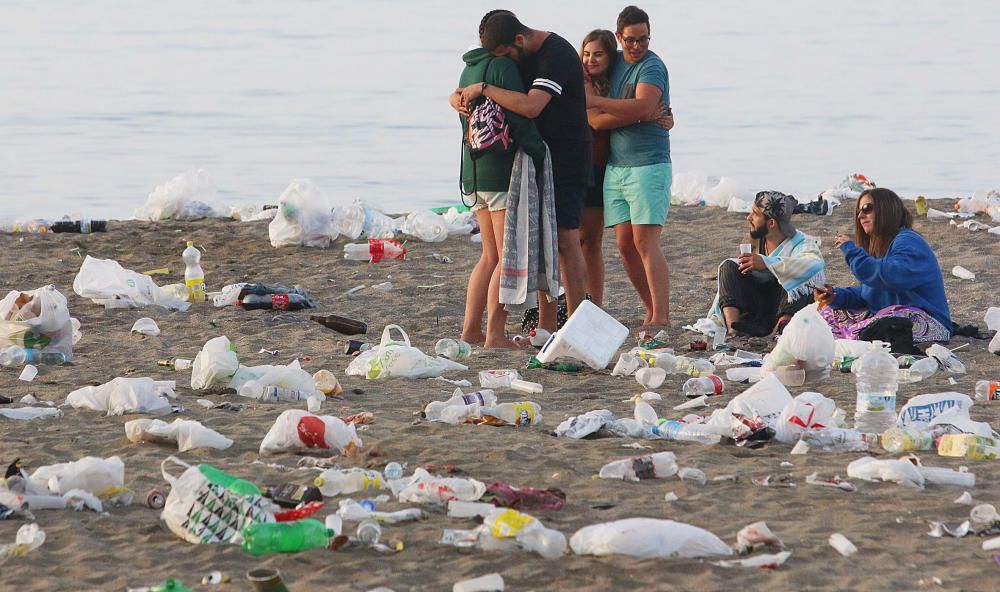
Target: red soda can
x: 155, y: 499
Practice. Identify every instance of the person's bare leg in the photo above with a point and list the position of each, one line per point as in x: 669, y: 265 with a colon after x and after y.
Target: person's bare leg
x: 479, y: 282
x: 634, y: 267
x: 647, y: 244
x: 496, y: 315
x: 572, y: 267
x: 731, y: 314
x: 591, y: 243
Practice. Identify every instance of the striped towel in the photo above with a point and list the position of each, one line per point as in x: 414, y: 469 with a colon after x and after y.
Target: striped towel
x: 529, y: 262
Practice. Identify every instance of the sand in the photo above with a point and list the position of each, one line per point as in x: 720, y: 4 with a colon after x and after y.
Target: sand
x: 129, y: 546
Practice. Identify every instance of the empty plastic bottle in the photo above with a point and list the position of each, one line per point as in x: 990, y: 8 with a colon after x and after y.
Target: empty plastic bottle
x: 649, y: 466
x: 228, y: 481
x: 375, y: 251
x: 907, y: 439
x: 453, y: 349
x: 344, y: 481
x: 534, y: 364
x: 369, y: 531
x: 840, y: 440
x: 194, y: 277
x: 684, y: 432
x: 988, y: 390
x: 919, y: 370
x: 537, y: 337
x: 523, y: 413
x: 393, y: 470
x: 876, y: 372
x: 970, y: 446
x: 176, y: 363
x: 269, y: 393
x: 706, y: 385
x: 285, y: 537
x: 16, y: 356
x: 682, y: 365
x: 527, y: 530
x: 484, y: 398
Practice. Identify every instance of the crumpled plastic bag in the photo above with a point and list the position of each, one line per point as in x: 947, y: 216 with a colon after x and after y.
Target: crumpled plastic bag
x: 377, y: 224
x: 946, y: 358
x: 122, y: 396
x: 807, y: 340
x: 921, y: 411
x: 424, y: 488
x: 303, y: 217
x: 425, y: 226
x: 296, y: 430
x: 767, y: 400
x: 188, y: 196
x: 106, y: 282
x: 38, y: 319
x: 187, y: 433
x: 214, y: 365
x: 584, y: 425
x: 992, y: 319
x: 398, y: 359
x: 898, y: 471
x: 808, y: 410
x: 957, y: 419
x: 99, y: 476
x: 460, y: 222
x: 648, y: 538
x: 348, y: 220
x: 146, y: 326
x: 291, y: 377
x: 24, y: 413
x: 28, y: 538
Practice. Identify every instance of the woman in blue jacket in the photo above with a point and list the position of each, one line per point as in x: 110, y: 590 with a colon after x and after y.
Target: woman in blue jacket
x: 897, y: 270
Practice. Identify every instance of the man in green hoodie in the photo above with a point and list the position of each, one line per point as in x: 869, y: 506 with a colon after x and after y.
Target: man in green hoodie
x: 487, y: 178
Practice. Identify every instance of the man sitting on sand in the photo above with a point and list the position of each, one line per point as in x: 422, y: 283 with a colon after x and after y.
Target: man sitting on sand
x: 759, y: 292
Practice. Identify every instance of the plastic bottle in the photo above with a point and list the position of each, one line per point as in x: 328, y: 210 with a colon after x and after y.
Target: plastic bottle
x: 538, y: 336
x: 681, y: 365
x: 523, y: 413
x: 289, y: 301
x: 453, y: 349
x: 896, y: 440
x: 876, y: 372
x: 840, y: 440
x: 970, y: 446
x: 706, y: 385
x: 527, y: 530
x: 16, y: 356
x: 375, y: 251
x: 194, y: 277
x: 534, y: 364
x: 919, y: 370
x: 176, y: 363
x: 393, y: 470
x: 987, y: 390
x: 226, y: 480
x: 344, y: 481
x: 369, y: 531
x: 483, y: 398
x: 253, y: 389
x: 684, y: 432
x: 285, y: 537
x: 341, y: 325
x: 650, y: 466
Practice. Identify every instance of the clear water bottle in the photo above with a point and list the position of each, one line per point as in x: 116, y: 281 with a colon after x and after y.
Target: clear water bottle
x: 684, y: 432
x: 840, y: 440
x: 16, y: 356
x: 705, y: 385
x: 194, y: 277
x: 523, y: 413
x: 659, y: 465
x: 453, y: 349
x: 876, y: 372
x: 393, y: 471
x: 483, y: 398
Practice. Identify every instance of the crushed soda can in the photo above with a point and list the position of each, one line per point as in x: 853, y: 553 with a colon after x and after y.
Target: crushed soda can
x: 155, y: 499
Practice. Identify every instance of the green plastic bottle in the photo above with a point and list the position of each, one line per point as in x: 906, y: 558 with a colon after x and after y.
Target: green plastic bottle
x: 286, y: 537
x: 171, y: 585
x: 533, y: 363
x: 226, y: 480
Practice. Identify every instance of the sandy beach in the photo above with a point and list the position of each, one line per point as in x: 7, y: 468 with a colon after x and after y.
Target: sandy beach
x: 131, y: 547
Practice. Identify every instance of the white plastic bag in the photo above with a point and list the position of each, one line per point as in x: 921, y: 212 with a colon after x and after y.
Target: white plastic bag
x: 648, y: 538
x: 291, y: 377
x: 28, y: 538
x: 426, y: 226
x: 348, y: 221
x: 946, y: 358
x: 106, y: 282
x: 187, y: 433
x: 38, y: 319
x: 424, y: 488
x: 214, y: 365
x: 377, y: 224
x: 296, y: 430
x: 920, y: 411
x: 188, y: 196
x: 584, y: 425
x: 398, y: 359
x: 807, y: 339
x: 122, y: 396
x: 766, y: 400
x: 899, y: 471
x: 99, y: 476
x: 25, y: 413
x: 722, y: 193
x: 303, y: 217
x: 807, y: 411
x: 146, y: 326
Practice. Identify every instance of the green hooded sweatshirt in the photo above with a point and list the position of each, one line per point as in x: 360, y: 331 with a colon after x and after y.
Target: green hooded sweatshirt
x: 492, y: 170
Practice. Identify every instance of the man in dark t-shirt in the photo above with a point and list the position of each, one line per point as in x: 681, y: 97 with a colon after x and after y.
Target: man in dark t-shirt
x: 556, y: 100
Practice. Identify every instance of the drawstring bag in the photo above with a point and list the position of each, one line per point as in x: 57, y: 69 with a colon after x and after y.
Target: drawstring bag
x: 486, y: 131
x: 203, y: 512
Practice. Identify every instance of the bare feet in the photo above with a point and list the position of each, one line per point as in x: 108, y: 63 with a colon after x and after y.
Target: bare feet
x: 473, y: 338
x: 503, y: 344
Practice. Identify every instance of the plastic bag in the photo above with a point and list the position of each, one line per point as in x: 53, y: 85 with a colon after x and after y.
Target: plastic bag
x: 146, y: 326
x: 899, y: 471
x: 724, y: 192
x: 28, y: 538
x: 200, y: 511
x: 920, y: 411
x: 584, y: 425
x: 106, y: 282
x: 303, y: 217
x: 291, y: 377
x: 424, y: 488
x: 767, y: 400
x: 957, y: 419
x: 186, y: 433
x: 25, y: 413
x: 806, y: 411
x: 99, y: 476
x: 648, y: 538
x: 806, y: 340
x: 37, y: 319
x: 377, y: 224
x: 425, y: 226
x: 947, y: 359
x: 296, y: 430
x: 188, y: 196
x: 122, y: 396
x: 214, y: 365
x: 398, y: 359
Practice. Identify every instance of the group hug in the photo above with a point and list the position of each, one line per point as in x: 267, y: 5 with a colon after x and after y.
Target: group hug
x: 560, y: 143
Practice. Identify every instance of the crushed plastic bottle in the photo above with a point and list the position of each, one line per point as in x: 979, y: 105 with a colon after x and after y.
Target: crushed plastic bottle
x: 376, y: 250
x: 706, y: 385
x: 970, y: 446
x: 439, y: 410
x: 650, y: 466
x: 523, y: 413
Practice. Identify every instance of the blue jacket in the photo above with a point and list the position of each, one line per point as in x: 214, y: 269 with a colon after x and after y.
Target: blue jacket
x: 908, y: 274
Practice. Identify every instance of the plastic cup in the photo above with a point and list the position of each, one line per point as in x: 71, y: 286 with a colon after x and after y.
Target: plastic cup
x: 984, y: 514
x: 28, y: 374
x: 650, y: 378
x: 266, y: 579
x: 746, y: 248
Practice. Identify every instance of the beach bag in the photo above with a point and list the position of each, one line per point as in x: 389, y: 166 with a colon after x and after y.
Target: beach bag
x: 486, y: 131
x: 38, y: 319
x: 398, y: 359
x: 203, y: 512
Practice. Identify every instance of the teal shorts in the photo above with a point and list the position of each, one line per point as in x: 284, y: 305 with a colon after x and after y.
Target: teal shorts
x: 640, y: 195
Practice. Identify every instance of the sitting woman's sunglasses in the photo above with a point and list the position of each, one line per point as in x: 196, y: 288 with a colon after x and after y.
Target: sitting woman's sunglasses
x: 868, y: 208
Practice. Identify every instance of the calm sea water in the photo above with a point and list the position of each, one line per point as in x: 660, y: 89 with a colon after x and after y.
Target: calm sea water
x: 101, y: 101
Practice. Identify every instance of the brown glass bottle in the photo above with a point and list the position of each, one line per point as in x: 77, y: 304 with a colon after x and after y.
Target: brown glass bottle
x: 342, y: 325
